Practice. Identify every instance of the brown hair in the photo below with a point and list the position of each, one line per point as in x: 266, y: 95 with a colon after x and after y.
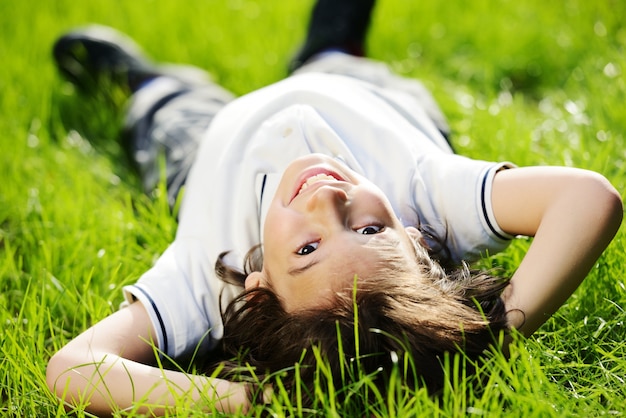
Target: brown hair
x: 398, y: 312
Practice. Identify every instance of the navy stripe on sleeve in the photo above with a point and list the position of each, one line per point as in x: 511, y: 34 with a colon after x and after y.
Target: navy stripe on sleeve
x: 262, y: 194
x: 483, y: 192
x: 160, y: 319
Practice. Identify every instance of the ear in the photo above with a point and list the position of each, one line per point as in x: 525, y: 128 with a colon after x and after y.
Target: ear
x: 254, y: 280
x: 416, y: 235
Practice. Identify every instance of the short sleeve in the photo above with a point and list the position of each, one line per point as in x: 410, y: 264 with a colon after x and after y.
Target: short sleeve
x: 182, y: 300
x: 453, y: 200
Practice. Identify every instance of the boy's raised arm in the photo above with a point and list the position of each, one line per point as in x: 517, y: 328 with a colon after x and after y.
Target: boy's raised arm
x: 107, y: 368
x: 573, y: 214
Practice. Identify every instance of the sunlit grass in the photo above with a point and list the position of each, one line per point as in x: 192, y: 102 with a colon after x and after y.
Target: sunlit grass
x: 531, y: 82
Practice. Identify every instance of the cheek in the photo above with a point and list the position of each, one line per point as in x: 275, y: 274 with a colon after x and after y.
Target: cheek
x: 275, y: 226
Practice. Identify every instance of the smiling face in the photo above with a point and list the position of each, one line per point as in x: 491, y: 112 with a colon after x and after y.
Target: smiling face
x: 325, y: 225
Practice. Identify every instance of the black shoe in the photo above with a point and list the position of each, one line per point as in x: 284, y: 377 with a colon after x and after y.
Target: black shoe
x: 335, y: 24
x: 89, y: 56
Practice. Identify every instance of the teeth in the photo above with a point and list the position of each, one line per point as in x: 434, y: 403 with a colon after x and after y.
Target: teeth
x: 315, y: 179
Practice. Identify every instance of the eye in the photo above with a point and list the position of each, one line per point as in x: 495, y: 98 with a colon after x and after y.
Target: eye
x: 308, y: 248
x: 369, y: 229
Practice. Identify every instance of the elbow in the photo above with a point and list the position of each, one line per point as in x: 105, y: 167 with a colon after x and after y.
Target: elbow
x: 613, y: 204
x: 60, y: 376
x: 617, y: 210
x: 64, y: 381
x: 608, y: 203
x: 57, y: 366
x: 77, y: 382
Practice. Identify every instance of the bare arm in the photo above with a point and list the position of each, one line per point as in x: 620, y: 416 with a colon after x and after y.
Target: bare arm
x: 573, y: 215
x: 107, y: 368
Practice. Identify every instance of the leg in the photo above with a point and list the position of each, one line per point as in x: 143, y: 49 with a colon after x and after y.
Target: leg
x: 341, y: 26
x: 167, y: 120
x: 337, y: 25
x: 380, y: 75
x: 170, y: 106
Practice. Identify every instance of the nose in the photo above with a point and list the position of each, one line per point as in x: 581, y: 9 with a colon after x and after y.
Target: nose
x: 329, y: 203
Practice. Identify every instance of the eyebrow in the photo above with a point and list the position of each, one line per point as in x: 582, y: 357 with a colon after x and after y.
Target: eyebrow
x: 295, y: 271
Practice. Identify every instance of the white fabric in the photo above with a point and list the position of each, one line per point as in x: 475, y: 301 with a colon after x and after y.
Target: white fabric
x: 384, y: 135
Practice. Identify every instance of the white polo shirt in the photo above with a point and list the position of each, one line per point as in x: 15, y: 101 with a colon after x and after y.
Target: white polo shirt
x: 383, y: 135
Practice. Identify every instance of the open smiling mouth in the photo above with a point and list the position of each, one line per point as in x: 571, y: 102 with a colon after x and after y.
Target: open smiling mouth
x: 314, y: 179
x: 314, y: 176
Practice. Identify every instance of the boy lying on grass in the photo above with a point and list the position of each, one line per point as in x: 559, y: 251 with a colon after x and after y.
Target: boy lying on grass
x: 329, y: 197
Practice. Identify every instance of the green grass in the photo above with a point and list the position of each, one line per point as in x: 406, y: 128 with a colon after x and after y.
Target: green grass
x: 531, y: 81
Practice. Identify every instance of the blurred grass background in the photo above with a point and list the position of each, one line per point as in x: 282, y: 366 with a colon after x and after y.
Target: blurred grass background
x: 532, y: 82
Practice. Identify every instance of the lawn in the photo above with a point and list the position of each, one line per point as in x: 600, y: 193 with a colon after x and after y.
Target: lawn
x: 531, y: 82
